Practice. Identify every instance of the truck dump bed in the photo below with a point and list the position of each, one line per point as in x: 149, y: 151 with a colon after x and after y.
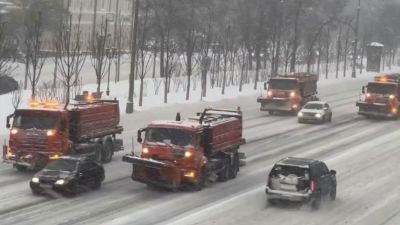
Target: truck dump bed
x: 222, y: 129
x: 308, y: 82
x: 94, y: 120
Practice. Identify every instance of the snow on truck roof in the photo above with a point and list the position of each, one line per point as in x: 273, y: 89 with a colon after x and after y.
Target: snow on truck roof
x: 186, y: 124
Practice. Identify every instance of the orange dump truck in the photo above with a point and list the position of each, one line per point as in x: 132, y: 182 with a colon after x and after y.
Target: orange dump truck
x: 45, y: 131
x: 288, y: 93
x: 381, y: 97
x: 188, y: 153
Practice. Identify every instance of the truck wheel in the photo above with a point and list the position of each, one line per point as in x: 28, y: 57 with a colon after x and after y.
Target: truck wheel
x: 234, y: 168
x: 225, y: 173
x: 21, y: 168
x: 98, y: 155
x: 199, y: 185
x: 107, y: 151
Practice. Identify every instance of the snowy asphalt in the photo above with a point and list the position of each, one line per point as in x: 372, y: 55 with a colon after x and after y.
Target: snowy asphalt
x: 365, y: 154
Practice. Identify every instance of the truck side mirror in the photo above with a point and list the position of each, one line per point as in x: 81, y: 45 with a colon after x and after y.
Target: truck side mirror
x: 363, y: 89
x: 265, y: 86
x: 139, y: 135
x: 8, y: 125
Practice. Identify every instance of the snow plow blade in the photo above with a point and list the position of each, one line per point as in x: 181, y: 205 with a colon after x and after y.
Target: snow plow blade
x: 143, y: 162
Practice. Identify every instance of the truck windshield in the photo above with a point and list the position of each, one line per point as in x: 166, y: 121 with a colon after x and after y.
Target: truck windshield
x: 382, y: 88
x: 282, y: 84
x: 169, y: 135
x: 37, y: 120
x: 63, y: 165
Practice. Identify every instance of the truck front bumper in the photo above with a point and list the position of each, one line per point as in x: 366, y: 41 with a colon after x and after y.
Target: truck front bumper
x: 288, y: 196
x: 374, y: 109
x: 277, y: 104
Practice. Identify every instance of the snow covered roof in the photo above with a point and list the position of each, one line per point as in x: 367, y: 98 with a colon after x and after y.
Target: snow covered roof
x: 185, y: 124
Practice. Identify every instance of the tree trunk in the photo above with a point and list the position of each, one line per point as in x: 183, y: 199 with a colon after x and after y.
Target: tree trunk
x: 189, y: 73
x: 339, y: 41
x: 295, y: 39
x: 141, y: 91
x: 327, y: 56
x: 224, y: 77
x: 258, y: 65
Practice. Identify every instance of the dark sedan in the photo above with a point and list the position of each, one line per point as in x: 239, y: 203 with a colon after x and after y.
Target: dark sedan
x: 69, y: 175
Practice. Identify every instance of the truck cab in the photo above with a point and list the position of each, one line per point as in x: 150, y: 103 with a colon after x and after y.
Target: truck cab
x: 381, y: 97
x: 36, y: 136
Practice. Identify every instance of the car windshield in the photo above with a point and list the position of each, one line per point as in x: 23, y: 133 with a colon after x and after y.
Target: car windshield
x: 169, y: 135
x: 382, y: 88
x: 38, y: 120
x: 282, y: 84
x: 313, y: 106
x: 287, y: 170
x: 63, y: 165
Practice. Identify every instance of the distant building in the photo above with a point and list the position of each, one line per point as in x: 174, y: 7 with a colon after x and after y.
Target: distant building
x: 116, y: 13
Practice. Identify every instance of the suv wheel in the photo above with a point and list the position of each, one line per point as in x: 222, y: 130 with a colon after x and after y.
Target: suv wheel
x: 21, y: 168
x: 332, y: 194
x: 316, y: 203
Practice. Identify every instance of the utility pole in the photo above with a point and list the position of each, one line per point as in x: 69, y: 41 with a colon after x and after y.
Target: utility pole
x: 134, y: 27
x: 94, y: 22
x: 353, y: 73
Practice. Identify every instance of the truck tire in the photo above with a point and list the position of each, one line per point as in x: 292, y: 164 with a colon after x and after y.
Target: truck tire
x: 108, y: 150
x: 234, y: 168
x: 223, y: 176
x: 21, y: 168
x: 199, y: 185
x: 98, y: 154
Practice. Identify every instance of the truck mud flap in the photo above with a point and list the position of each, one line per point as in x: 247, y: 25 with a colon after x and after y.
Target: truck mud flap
x: 143, y: 162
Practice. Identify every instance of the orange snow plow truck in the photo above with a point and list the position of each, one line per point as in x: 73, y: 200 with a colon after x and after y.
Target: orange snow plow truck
x: 381, y: 98
x: 188, y: 153
x: 288, y: 93
x: 46, y: 131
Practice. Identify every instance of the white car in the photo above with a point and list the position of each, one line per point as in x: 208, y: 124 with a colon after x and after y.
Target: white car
x: 315, y: 111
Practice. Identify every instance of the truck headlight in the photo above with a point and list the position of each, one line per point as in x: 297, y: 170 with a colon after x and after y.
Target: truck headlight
x: 14, y: 131
x: 190, y: 174
x: 145, y: 151
x: 318, y: 115
x: 188, y: 154
x: 55, y: 156
x: 269, y: 93
x: 391, y: 97
x: 51, y: 133
x: 368, y: 95
x: 35, y: 180
x: 60, y: 182
x: 292, y: 94
x: 300, y: 114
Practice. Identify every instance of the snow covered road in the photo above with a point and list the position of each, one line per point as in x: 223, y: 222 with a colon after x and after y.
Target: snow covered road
x: 364, y: 152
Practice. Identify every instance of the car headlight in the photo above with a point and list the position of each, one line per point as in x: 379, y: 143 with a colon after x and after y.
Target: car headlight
x: 60, y: 182
x: 300, y: 114
x: 318, y: 115
x: 35, y: 179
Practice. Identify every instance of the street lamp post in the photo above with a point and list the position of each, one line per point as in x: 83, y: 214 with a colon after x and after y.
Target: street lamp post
x: 353, y: 74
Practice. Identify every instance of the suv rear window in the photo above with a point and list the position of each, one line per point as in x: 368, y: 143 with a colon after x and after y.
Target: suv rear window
x: 287, y: 170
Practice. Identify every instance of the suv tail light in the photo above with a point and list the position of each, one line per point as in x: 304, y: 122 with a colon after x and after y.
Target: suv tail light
x: 312, y: 185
